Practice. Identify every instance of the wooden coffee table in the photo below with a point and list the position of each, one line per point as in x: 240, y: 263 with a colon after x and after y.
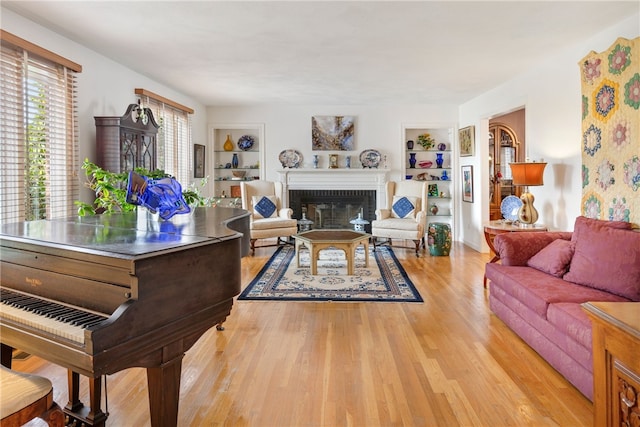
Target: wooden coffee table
x: 345, y: 240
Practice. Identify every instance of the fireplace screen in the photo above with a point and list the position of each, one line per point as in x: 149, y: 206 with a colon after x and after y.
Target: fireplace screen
x: 333, y: 208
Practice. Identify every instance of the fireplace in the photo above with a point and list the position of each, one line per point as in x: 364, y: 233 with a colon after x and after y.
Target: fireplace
x: 333, y: 208
x: 333, y: 197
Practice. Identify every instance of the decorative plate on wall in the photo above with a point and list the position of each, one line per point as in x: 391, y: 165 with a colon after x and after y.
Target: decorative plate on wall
x: 245, y: 142
x: 290, y: 158
x: 510, y: 207
x: 370, y: 158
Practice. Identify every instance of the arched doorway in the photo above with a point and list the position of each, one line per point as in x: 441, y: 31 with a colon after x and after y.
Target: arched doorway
x: 506, y: 145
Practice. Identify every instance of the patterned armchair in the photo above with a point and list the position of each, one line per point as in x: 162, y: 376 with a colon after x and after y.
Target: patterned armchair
x: 269, y: 218
x: 405, y: 215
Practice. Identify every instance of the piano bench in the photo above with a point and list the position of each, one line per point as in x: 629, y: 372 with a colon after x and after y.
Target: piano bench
x: 24, y: 397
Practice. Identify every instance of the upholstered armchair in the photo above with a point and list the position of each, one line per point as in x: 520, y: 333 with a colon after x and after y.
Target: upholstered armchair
x: 269, y: 218
x: 405, y: 214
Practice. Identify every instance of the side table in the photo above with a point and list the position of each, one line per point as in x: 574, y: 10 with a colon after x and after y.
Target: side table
x: 616, y: 365
x: 493, y: 228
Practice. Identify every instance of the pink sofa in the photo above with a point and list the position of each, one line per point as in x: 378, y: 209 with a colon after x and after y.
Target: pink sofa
x: 543, y: 278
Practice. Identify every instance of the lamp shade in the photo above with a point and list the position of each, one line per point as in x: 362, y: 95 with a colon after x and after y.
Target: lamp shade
x: 527, y: 173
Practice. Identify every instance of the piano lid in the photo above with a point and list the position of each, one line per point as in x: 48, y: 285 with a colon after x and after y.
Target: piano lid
x: 128, y: 234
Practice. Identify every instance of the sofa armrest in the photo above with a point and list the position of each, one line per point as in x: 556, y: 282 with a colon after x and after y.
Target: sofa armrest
x: 285, y: 213
x: 516, y: 248
x: 383, y: 214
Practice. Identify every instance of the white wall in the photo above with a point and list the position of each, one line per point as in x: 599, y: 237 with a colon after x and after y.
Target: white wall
x: 105, y: 88
x: 551, y: 94
x: 377, y: 127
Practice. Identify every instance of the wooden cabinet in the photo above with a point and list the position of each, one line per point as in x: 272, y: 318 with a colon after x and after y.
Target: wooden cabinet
x: 237, y: 159
x: 504, y: 148
x: 616, y: 362
x: 126, y: 142
x: 421, y: 164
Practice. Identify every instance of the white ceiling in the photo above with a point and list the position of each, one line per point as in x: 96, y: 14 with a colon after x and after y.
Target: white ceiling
x: 323, y: 52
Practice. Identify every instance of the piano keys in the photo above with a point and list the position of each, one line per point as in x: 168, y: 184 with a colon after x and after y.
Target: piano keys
x: 105, y: 293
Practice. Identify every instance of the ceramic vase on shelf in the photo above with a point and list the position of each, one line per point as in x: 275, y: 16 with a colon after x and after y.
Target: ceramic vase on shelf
x: 316, y: 160
x: 434, y: 209
x: 439, y: 160
x: 234, y: 160
x: 410, y: 145
x: 228, y: 144
x: 442, y: 146
x: 412, y: 160
x: 445, y: 176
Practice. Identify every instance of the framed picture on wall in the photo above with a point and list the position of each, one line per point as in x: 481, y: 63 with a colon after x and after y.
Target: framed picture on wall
x: 467, y: 184
x: 198, y: 161
x: 332, y: 133
x: 467, y: 141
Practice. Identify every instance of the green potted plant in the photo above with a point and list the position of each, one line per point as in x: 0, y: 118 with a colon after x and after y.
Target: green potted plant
x: 426, y: 141
x: 110, y: 189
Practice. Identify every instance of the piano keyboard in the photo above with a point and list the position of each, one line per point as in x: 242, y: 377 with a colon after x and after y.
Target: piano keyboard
x: 48, y: 316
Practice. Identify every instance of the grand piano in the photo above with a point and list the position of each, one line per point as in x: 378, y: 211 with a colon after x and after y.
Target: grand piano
x: 104, y: 293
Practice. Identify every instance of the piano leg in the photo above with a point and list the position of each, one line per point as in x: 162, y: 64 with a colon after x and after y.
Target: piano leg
x: 164, y: 392
x: 75, y: 409
x: 6, y: 353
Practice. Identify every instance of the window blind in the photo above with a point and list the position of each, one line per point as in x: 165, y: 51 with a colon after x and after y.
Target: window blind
x: 174, y: 154
x: 38, y: 130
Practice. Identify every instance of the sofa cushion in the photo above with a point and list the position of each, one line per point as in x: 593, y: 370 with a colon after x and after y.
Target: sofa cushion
x: 404, y: 207
x: 553, y: 258
x: 571, y: 320
x: 607, y: 258
x: 264, y: 206
x: 537, y: 289
x: 584, y: 224
x: 272, y: 223
x: 516, y: 248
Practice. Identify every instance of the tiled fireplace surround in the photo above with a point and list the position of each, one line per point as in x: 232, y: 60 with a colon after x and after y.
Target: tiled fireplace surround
x: 332, y: 197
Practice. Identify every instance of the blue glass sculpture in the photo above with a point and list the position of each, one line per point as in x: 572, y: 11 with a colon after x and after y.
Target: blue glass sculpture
x: 162, y: 196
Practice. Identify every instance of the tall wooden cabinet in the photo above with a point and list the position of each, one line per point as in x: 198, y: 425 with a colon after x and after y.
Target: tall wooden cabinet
x: 504, y: 148
x: 126, y: 142
x: 616, y: 365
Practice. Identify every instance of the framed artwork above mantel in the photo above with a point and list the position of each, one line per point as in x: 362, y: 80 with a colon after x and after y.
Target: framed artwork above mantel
x: 334, y: 133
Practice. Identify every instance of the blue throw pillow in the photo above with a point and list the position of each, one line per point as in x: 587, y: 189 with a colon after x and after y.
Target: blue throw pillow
x: 264, y: 206
x: 404, y: 207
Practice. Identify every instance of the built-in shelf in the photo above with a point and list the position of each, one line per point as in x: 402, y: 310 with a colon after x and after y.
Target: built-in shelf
x: 251, y: 160
x: 441, y: 135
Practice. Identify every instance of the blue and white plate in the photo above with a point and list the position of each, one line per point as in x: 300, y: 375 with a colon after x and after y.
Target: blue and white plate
x: 290, y: 158
x: 245, y: 142
x: 510, y: 207
x: 370, y: 158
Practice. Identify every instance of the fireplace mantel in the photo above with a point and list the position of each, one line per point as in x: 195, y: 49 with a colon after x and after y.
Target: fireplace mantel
x: 335, y: 179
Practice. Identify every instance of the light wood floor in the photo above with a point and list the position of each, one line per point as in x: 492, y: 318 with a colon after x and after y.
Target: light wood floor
x: 446, y: 362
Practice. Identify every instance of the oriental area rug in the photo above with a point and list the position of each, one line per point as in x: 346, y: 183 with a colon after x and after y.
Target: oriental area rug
x: 281, y: 279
